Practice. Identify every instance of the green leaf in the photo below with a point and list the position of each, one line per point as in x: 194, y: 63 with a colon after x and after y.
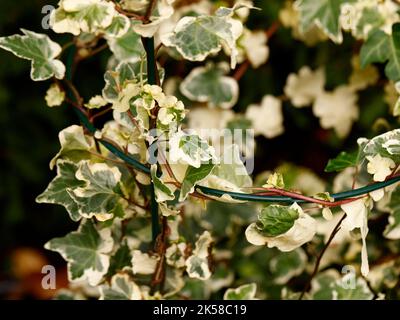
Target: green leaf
x: 101, y: 196
x: 324, y: 13
x: 56, y: 192
x: 121, y: 259
x: 381, y: 47
x: 195, y: 38
x: 209, y: 84
x: 392, y: 230
x: 341, y: 162
x: 75, y: 146
x: 287, y: 265
x: 86, y: 251
x: 244, y: 292
x: 121, y: 288
x: 194, y: 176
x: 40, y: 50
x: 162, y: 191
x: 275, y: 220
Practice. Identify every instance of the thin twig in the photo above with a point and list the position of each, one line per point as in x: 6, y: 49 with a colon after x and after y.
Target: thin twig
x: 317, y: 263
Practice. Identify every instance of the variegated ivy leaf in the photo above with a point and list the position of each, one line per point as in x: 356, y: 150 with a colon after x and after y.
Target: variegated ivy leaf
x: 341, y: 162
x: 86, y: 251
x: 197, y: 264
x: 162, y: 191
x: 56, y: 192
x: 162, y: 10
x: 392, y: 230
x: 275, y: 180
x: 382, y: 47
x: 209, y: 84
x: 386, y: 145
x: 143, y: 263
x: 127, y: 48
x: 101, y: 196
x: 287, y: 265
x: 75, y: 146
x: 40, y: 50
x: 116, y: 81
x: 91, y: 16
x: 230, y: 174
x: 275, y: 221
x: 324, y: 13
x: 244, y: 292
x: 193, y: 177
x: 195, y: 38
x: 120, y: 260
x: 121, y: 288
x: 187, y: 148
x: 329, y: 285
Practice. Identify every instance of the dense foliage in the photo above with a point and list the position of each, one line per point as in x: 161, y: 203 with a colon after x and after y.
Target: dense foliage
x: 162, y: 200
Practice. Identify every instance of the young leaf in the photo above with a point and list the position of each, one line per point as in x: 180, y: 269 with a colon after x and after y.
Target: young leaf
x: 381, y: 47
x: 74, y: 145
x: 40, y: 50
x: 209, y: 84
x: 87, y: 252
x: 56, y: 192
x: 341, y: 162
x: 324, y: 13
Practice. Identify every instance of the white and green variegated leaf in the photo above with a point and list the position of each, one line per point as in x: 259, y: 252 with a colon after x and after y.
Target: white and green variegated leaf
x: 382, y: 47
x: 125, y: 72
x: 86, y: 251
x: 188, y: 148
x: 119, y: 26
x: 162, y: 191
x: 244, y: 292
x: 122, y: 288
x: 75, y: 145
x: 386, y: 145
x: 197, y: 264
x: 101, y: 196
x: 287, y: 265
x: 330, y: 286
x: 392, y: 230
x: 276, y: 219
x: 195, y: 38
x: 230, y: 174
x: 209, y: 84
x: 324, y: 13
x: 56, y: 192
x: 193, y: 177
x: 40, y: 50
x: 91, y: 16
x: 127, y: 48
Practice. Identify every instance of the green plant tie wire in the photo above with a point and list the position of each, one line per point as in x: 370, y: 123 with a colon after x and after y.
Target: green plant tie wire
x: 219, y: 193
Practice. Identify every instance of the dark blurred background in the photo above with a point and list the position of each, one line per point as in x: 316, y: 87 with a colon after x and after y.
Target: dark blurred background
x: 29, y: 134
